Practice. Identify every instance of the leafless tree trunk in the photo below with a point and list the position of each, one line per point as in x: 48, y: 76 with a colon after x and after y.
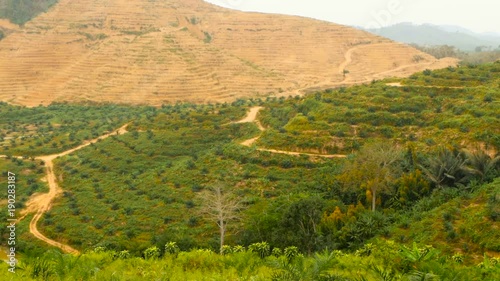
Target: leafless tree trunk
x: 222, y: 207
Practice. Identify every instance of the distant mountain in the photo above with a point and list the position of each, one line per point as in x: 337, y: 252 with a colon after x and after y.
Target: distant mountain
x: 487, y: 36
x: 432, y: 35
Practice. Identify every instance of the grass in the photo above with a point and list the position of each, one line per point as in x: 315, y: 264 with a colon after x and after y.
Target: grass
x: 452, y: 227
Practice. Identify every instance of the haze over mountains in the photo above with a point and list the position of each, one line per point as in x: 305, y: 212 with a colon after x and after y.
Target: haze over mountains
x: 146, y: 52
x: 434, y: 35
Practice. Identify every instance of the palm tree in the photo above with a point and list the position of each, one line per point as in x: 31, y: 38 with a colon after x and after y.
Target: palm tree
x: 480, y: 163
x: 422, y: 276
x: 447, y: 168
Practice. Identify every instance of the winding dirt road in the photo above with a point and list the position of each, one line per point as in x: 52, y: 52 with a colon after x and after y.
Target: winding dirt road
x: 41, y: 203
x: 398, y: 84
x: 252, y: 118
x: 347, y: 59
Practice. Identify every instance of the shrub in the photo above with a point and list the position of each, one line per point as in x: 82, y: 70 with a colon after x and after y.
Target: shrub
x: 276, y: 252
x: 458, y: 258
x: 238, y: 249
x: 123, y: 254
x: 151, y: 253
x: 171, y: 248
x: 291, y: 252
x: 262, y: 249
x: 488, y: 98
x: 366, y: 250
x: 226, y: 249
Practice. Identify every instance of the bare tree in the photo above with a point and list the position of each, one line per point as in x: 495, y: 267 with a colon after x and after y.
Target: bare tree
x: 222, y: 207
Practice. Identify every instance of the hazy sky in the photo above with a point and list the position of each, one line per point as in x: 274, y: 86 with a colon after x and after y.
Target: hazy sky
x: 477, y: 15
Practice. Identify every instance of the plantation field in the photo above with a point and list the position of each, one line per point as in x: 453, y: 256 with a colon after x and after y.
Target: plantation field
x: 341, y: 121
x: 59, y: 127
x: 383, y: 260
x: 31, y: 176
x: 417, y: 162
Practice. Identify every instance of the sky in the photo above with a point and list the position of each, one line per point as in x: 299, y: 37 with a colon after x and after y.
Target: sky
x: 477, y: 15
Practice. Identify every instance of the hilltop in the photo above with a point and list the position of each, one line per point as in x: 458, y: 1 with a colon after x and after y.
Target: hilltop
x: 150, y: 52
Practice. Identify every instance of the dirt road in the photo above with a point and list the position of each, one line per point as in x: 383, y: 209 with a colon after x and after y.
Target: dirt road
x: 252, y: 118
x: 41, y: 203
x: 302, y: 153
x: 348, y: 81
x: 398, y: 84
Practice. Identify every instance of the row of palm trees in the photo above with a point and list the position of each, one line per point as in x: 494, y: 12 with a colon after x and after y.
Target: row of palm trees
x: 453, y: 167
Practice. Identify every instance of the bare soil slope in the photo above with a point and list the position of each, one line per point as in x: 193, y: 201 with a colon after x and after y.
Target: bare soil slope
x: 153, y: 52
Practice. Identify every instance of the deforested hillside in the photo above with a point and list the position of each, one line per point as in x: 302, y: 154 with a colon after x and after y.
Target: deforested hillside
x: 155, y: 52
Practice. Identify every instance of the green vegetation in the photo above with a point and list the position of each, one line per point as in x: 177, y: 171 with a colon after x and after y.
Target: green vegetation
x: 159, y: 167
x: 415, y: 198
x: 464, y: 76
x: 93, y: 37
x: 342, y: 120
x: 479, y: 56
x: 58, y: 127
x: 22, y: 11
x: 143, y: 30
x: 208, y: 37
x: 381, y: 260
x: 29, y: 173
x: 450, y: 221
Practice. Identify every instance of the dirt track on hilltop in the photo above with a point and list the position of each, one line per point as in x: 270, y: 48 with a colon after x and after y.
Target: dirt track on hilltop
x: 354, y: 79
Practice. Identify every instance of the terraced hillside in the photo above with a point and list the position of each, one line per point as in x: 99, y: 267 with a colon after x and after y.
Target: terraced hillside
x: 154, y: 52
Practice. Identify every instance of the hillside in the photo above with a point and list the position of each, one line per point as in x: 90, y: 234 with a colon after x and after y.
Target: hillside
x: 150, y: 52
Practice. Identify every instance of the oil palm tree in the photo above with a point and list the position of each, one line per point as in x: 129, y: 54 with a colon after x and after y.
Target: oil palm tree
x: 447, y: 168
x: 481, y: 163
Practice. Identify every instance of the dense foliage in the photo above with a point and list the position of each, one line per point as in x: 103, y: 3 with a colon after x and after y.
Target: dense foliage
x: 381, y: 260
